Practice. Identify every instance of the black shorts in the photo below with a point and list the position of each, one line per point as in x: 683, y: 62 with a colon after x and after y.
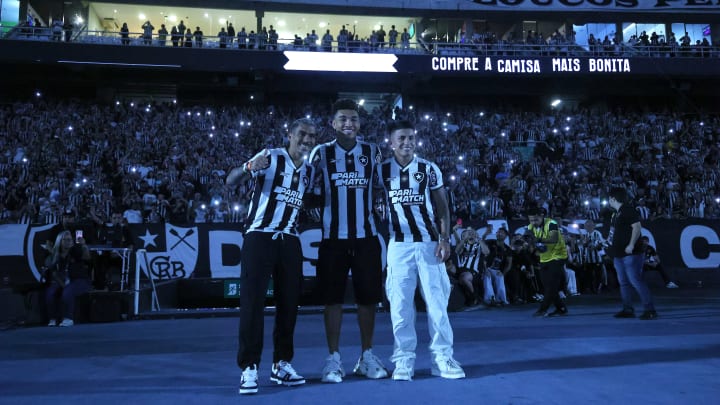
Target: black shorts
x: 336, y: 257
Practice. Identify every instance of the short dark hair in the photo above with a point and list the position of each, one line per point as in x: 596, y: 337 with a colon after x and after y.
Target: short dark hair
x: 395, y: 125
x: 344, y: 104
x: 535, y: 211
x: 619, y: 194
x: 301, y: 121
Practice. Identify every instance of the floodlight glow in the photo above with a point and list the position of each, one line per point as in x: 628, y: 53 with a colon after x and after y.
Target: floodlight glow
x: 141, y: 16
x: 340, y: 62
x: 172, y: 18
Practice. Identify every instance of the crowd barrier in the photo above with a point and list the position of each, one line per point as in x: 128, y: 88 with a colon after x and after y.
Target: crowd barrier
x: 213, y: 250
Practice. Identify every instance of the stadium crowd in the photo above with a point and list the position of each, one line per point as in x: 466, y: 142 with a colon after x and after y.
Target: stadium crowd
x: 166, y: 162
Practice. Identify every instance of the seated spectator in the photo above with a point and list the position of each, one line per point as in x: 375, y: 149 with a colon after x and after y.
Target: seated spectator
x: 652, y: 262
x: 470, y: 251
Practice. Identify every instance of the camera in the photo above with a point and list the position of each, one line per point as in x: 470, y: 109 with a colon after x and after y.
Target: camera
x: 541, y: 247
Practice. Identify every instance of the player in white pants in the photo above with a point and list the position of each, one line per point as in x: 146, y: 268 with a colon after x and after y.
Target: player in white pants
x: 416, y: 253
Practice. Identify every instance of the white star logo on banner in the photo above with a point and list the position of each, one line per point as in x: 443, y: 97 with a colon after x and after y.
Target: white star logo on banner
x: 148, y: 239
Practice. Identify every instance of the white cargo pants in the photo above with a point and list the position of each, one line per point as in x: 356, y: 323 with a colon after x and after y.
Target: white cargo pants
x: 408, y: 263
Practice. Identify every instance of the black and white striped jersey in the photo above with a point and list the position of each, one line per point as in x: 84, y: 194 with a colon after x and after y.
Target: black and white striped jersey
x: 345, y: 179
x: 408, y: 193
x: 277, y: 194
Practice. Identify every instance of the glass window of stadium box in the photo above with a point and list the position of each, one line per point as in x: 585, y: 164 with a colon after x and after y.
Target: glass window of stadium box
x: 598, y: 30
x: 637, y: 29
x: 696, y: 32
x: 288, y: 25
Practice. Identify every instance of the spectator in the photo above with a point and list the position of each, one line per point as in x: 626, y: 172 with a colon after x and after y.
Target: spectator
x: 67, y: 276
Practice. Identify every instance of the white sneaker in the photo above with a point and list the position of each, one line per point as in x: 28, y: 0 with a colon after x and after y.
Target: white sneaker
x: 333, y: 371
x: 370, y: 366
x: 404, y: 370
x: 447, y: 368
x: 671, y: 285
x: 67, y: 322
x: 249, y: 380
x: 284, y: 374
x: 52, y: 322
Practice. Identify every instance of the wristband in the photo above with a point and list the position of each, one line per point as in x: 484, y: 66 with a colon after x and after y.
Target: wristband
x: 443, y: 239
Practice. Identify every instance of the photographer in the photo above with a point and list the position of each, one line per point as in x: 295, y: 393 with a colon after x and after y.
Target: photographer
x: 499, y: 263
x: 522, y: 281
x: 550, y: 245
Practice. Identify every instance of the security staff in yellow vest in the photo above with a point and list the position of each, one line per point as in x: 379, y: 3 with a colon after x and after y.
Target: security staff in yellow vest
x: 550, y: 245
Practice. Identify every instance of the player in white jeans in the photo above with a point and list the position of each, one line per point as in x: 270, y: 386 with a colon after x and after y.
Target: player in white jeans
x: 416, y: 253
x: 408, y: 263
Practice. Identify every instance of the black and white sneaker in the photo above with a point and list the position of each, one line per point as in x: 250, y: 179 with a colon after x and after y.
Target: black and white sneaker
x: 284, y: 374
x: 249, y: 380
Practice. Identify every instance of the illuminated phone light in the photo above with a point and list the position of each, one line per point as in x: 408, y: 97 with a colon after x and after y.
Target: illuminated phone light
x: 465, y: 171
x: 189, y: 113
x: 574, y: 174
x: 212, y: 127
x: 197, y: 114
x: 340, y: 62
x: 237, y: 134
x: 236, y: 208
x: 555, y: 131
x: 586, y: 203
x: 174, y: 101
x: 37, y: 94
x: 482, y: 203
x: 84, y: 180
x: 211, y: 135
x: 216, y: 202
x: 427, y: 117
x: 249, y: 123
x: 117, y: 103
x: 387, y: 140
x: 460, y: 157
x: 482, y: 114
x: 568, y: 119
x: 77, y: 185
x: 452, y: 178
x: 147, y: 109
x: 420, y: 143
x: 411, y: 107
x: 70, y: 128
x: 203, y: 206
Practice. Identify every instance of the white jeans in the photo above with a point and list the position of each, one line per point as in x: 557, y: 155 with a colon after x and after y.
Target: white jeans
x: 409, y: 262
x: 497, y: 278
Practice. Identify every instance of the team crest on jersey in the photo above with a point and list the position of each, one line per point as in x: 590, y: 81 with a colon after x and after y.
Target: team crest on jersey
x: 419, y: 176
x: 363, y: 160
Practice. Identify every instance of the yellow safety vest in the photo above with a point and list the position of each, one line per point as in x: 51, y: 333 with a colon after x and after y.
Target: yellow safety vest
x: 555, y: 251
